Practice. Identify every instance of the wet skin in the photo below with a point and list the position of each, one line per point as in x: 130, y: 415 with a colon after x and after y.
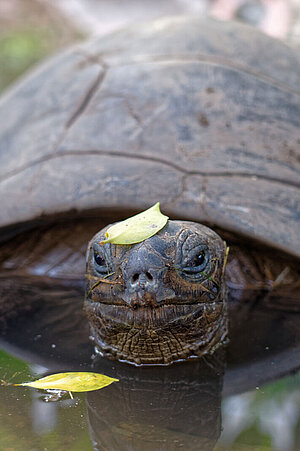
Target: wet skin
x: 159, y: 301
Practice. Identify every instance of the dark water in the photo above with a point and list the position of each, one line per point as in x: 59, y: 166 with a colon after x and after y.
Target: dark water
x: 248, y: 399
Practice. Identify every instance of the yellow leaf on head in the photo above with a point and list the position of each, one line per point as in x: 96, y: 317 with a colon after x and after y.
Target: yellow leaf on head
x: 137, y: 228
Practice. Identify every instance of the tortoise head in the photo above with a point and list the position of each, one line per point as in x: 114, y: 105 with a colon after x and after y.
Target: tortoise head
x: 158, y: 301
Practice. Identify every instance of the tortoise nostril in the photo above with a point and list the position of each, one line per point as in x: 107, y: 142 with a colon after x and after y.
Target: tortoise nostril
x: 149, y: 276
x: 141, y: 277
x: 135, y: 277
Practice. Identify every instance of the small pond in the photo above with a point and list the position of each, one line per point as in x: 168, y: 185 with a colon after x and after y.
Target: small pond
x: 248, y: 399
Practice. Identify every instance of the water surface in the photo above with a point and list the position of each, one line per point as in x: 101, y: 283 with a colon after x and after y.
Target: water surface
x: 248, y: 399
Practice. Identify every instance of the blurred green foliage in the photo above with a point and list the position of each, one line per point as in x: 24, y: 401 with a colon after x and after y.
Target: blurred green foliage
x: 12, y: 369
x: 252, y: 439
x: 264, y: 415
x: 20, y: 49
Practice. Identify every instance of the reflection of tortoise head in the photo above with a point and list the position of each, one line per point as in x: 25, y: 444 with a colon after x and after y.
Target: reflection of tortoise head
x: 158, y: 301
x: 172, y: 408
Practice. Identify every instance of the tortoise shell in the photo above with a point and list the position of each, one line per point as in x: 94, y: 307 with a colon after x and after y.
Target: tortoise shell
x: 200, y: 115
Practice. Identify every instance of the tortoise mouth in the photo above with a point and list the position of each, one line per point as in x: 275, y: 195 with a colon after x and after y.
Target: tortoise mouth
x: 163, y: 315
x: 150, y: 302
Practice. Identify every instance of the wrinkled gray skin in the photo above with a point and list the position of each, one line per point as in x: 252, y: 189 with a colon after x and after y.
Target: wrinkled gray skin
x: 164, y: 300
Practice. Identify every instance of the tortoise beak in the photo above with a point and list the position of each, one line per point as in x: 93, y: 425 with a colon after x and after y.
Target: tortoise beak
x: 143, y: 299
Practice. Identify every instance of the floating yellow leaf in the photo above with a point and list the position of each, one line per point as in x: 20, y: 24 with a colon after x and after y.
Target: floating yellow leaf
x: 137, y: 228
x: 75, y: 381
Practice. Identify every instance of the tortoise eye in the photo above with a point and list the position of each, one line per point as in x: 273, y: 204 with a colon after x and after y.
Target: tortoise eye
x: 98, y: 259
x: 197, y: 263
x: 198, y: 260
x: 101, y: 260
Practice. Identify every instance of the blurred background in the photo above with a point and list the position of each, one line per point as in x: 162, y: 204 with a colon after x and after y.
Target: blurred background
x: 32, y: 29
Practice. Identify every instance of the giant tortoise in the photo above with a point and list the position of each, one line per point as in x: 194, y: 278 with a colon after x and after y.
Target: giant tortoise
x: 200, y: 115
